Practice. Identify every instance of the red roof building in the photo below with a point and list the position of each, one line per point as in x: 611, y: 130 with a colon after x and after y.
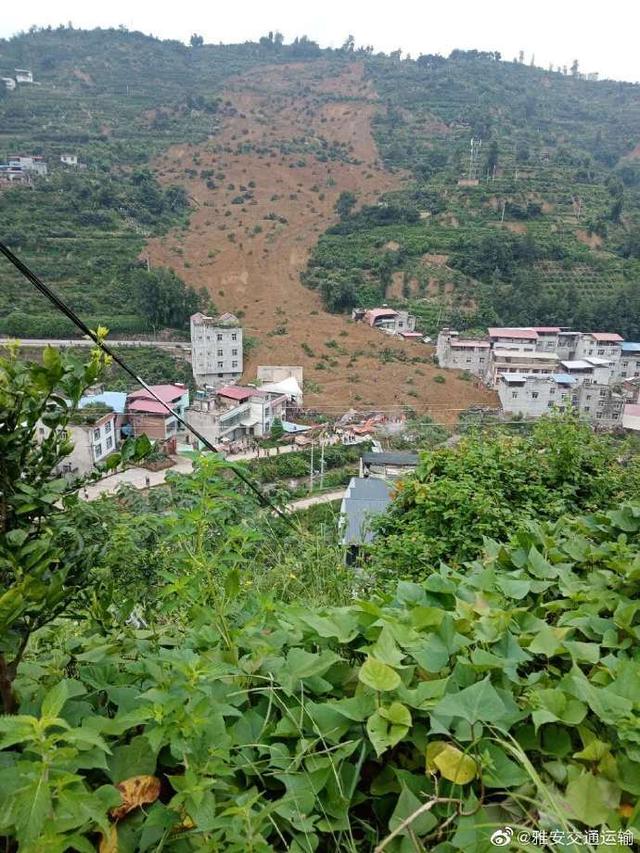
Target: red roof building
x: 150, y: 417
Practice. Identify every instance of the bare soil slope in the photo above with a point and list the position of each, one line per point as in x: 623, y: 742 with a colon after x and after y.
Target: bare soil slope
x: 294, y: 137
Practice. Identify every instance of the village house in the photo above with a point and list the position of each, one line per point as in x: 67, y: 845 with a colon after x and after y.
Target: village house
x: 69, y: 159
x: 235, y: 413
x: 9, y: 83
x: 149, y: 417
x: 628, y: 365
x: 631, y: 417
x: 28, y: 163
x: 386, y: 319
x: 388, y: 465
x: 530, y: 396
x: 93, y: 432
x: 216, y: 349
x: 24, y: 75
x: 459, y: 353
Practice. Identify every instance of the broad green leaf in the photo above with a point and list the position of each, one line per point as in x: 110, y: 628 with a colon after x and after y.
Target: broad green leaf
x: 378, y: 675
x: 478, y: 702
x: 396, y: 713
x: 384, y: 734
x: 408, y: 804
x: 591, y: 799
x: 54, y: 700
x: 548, y: 641
x: 553, y: 705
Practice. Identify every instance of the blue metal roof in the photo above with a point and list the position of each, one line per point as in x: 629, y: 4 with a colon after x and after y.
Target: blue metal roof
x: 364, y: 499
x: 630, y: 346
x: 564, y: 378
x: 115, y: 399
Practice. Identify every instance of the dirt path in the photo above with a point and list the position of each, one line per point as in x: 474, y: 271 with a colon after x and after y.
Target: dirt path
x: 293, y: 137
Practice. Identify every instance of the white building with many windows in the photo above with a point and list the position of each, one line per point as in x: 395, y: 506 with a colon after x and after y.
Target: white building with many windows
x: 216, y: 349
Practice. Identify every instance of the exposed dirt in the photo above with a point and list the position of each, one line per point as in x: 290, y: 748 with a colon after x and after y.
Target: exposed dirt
x: 251, y: 264
x: 593, y: 241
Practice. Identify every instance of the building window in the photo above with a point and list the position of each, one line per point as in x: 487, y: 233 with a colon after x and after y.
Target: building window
x: 589, y: 396
x: 603, y: 392
x: 550, y: 404
x: 234, y: 364
x: 108, y: 426
x: 587, y: 408
x: 468, y: 361
x: 625, y: 364
x: 234, y: 337
x: 96, y: 434
x: 614, y: 416
x: 552, y: 391
x: 109, y: 442
x: 534, y: 395
x: 220, y: 365
x: 97, y: 450
x: 599, y: 415
x: 220, y: 353
x: 234, y: 352
x: 40, y: 430
x: 600, y: 352
x: 514, y: 394
x: 219, y: 336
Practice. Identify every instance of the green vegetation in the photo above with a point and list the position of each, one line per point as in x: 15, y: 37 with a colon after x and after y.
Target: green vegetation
x: 185, y: 669
x: 548, y: 234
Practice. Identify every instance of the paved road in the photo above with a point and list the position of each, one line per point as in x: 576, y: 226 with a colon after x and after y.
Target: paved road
x: 141, y: 478
x: 325, y: 497
x: 38, y: 343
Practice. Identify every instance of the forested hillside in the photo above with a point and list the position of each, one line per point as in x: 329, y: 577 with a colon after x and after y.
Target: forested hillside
x: 216, y: 171
x: 551, y: 231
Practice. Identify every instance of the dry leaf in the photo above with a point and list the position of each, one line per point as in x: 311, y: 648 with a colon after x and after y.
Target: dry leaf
x: 109, y: 842
x: 625, y: 810
x: 134, y: 792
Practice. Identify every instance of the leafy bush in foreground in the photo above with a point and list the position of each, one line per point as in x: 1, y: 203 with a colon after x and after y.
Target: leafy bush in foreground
x: 301, y: 728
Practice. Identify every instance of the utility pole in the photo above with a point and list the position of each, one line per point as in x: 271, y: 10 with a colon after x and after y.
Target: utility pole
x: 311, y: 471
x: 504, y: 206
x: 321, y: 462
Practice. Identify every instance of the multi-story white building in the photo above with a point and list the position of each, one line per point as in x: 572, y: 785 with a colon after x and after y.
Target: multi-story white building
x: 628, y: 365
x: 216, y: 349
x: 94, y: 435
x: 463, y: 354
x: 531, y: 396
x: 235, y: 413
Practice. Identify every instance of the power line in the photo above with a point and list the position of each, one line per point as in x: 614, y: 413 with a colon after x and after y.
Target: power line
x: 46, y: 291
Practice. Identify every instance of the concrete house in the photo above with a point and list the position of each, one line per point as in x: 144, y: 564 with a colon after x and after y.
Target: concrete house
x: 28, y: 163
x: 603, y: 344
x: 216, y: 349
x: 531, y: 396
x: 235, y: 413
x: 94, y: 435
x: 388, y: 465
x: 149, y: 417
x: 628, y: 365
x: 69, y: 159
x: 24, y: 75
x: 387, y: 319
x: 9, y: 83
x: 462, y: 354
